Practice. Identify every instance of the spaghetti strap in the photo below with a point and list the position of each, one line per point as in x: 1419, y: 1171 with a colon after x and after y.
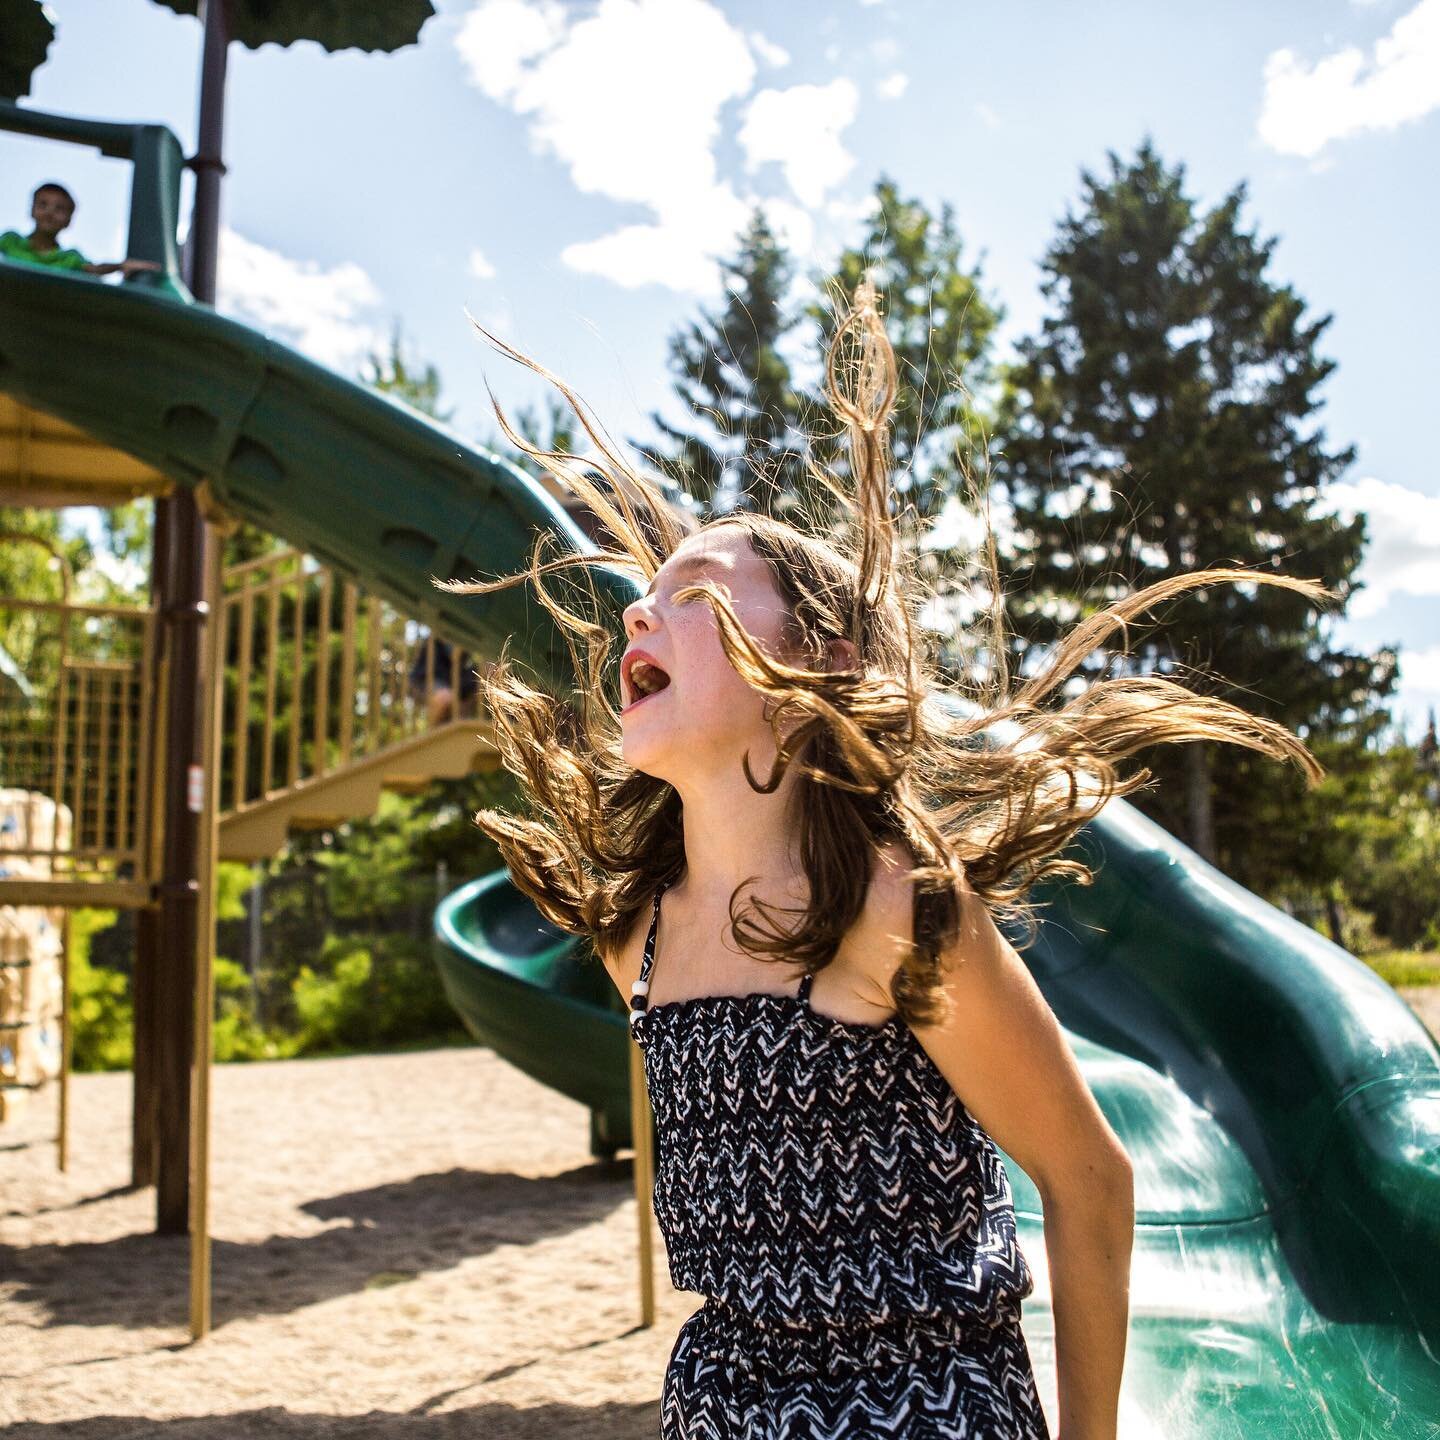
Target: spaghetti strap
x: 640, y: 990
x: 803, y: 993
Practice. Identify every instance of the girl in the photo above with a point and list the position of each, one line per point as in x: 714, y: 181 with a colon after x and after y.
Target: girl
x: 829, y: 1090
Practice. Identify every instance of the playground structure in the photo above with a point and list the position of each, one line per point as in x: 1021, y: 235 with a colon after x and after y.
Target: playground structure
x: 33, y: 999
x: 1280, y: 1103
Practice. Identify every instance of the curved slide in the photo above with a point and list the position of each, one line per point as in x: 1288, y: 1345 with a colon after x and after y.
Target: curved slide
x: 1280, y: 1102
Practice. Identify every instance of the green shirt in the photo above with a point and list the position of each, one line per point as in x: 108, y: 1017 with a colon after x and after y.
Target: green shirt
x: 15, y: 246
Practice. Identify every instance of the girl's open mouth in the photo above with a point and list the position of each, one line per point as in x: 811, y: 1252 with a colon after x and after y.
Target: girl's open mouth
x: 639, y: 700
x: 646, y: 680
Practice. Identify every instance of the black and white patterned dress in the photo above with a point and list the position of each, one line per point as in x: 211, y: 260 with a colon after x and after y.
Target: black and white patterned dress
x: 848, y: 1222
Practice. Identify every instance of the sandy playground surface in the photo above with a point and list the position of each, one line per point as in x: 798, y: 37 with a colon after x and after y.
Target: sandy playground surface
x: 416, y: 1245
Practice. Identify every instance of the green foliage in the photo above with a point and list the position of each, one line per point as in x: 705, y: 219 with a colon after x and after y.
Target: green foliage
x: 101, y: 1013
x: 1407, y: 967
x: 746, y: 448
x: 1163, y: 421
x: 237, y: 1034
x: 941, y: 326
x: 354, y: 1003
x: 1388, y: 835
x: 416, y: 383
x: 553, y: 428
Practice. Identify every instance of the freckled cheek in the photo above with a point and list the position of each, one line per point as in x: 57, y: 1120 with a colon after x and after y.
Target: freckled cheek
x: 708, y: 677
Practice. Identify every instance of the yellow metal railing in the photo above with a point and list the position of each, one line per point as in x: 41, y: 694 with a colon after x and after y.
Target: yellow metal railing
x: 319, y: 675
x: 75, y: 717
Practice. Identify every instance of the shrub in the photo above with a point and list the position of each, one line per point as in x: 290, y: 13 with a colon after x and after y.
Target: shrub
x: 102, y: 1015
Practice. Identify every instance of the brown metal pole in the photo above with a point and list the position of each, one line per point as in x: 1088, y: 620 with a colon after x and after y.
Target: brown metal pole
x: 147, y: 921
x: 62, y: 1139
x: 183, y: 616
x: 214, y: 685
x: 207, y: 163
x: 642, y: 1135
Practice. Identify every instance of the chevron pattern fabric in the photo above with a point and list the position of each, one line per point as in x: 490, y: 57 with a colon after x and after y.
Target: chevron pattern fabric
x: 848, y: 1221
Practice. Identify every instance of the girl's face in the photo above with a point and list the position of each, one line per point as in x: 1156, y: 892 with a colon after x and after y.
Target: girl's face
x: 706, y: 716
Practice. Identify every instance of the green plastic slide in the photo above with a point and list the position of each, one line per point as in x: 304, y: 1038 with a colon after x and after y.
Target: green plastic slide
x: 1280, y: 1103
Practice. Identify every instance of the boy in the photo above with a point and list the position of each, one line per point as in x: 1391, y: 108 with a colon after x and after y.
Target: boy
x: 51, y: 208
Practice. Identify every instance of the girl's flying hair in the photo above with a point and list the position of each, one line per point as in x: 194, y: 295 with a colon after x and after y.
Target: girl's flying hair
x: 881, y: 758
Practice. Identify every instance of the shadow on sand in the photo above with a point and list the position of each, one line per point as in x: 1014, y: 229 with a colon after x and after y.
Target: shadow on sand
x: 588, y: 1422
x: 382, y: 1235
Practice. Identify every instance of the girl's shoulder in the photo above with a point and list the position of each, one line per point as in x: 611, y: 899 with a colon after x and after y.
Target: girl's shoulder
x: 622, y: 957
x: 880, y: 938
x: 868, y: 956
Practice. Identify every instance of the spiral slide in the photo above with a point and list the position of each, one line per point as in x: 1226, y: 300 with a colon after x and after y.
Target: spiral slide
x: 1280, y: 1103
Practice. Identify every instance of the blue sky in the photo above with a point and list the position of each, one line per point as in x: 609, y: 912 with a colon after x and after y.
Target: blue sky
x: 569, y: 172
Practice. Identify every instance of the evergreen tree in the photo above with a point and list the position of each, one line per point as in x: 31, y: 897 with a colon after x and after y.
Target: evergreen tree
x: 416, y: 383
x: 554, y: 429
x: 1163, y: 420
x: 941, y: 326
x: 746, y: 449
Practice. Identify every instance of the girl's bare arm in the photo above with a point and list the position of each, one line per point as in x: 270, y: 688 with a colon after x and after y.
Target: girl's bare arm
x: 1005, y: 1055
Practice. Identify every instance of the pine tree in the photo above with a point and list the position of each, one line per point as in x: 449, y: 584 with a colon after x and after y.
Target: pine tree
x: 416, y: 383
x: 1163, y: 420
x: 746, y: 449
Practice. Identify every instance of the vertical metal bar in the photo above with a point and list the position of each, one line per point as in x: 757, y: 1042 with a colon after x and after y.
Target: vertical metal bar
x: 144, y: 1114
x: 62, y: 1138
x: 192, y: 549
x: 347, y: 672
x: 322, y: 672
x: 272, y: 673
x: 62, y: 735
x: 641, y: 1136
x: 77, y: 790
x: 151, y: 708
x: 429, y: 675
x: 105, y: 679
x: 202, y: 1022
x: 374, y: 708
x: 241, y: 758
x: 125, y: 846
x: 297, y: 675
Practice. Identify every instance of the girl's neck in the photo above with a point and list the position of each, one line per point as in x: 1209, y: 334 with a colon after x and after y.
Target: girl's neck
x: 731, y: 837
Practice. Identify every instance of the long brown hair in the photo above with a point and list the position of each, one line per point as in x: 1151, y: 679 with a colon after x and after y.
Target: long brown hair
x: 881, y: 757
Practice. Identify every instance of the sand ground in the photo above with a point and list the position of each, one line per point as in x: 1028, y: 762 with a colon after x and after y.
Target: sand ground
x: 408, y: 1244
x: 414, y: 1245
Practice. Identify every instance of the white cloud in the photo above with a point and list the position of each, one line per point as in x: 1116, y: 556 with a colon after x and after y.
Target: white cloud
x: 681, y: 250
x: 1418, y: 690
x: 498, y: 39
x: 792, y: 225
x: 892, y: 87
x: 480, y: 267
x: 1420, y: 670
x: 988, y: 118
x: 885, y: 49
x: 1307, y: 106
x: 1402, y: 556
x: 848, y: 212
x: 799, y: 129
x: 326, y: 314
x: 628, y: 97
x: 769, y: 52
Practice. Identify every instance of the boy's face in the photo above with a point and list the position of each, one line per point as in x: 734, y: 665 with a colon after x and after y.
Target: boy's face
x: 51, y: 211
